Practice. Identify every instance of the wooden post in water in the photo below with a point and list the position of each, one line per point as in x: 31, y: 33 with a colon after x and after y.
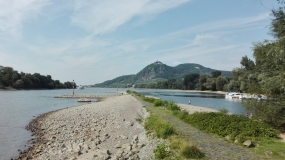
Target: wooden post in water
x: 73, y: 87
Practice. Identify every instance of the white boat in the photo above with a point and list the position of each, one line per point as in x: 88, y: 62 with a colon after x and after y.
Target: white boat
x: 233, y: 95
x: 81, y: 87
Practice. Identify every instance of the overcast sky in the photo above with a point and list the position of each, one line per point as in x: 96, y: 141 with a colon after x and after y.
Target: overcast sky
x: 91, y: 41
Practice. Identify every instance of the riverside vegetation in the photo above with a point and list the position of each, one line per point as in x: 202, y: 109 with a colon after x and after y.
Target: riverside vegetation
x: 10, y: 78
x: 235, y: 129
x: 263, y: 75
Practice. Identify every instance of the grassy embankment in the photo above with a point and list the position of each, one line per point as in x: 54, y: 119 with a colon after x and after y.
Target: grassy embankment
x: 178, y: 147
x: 236, y: 128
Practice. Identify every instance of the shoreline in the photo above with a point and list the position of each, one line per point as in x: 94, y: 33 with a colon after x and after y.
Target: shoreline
x: 98, y: 130
x: 123, y: 111
x: 190, y: 91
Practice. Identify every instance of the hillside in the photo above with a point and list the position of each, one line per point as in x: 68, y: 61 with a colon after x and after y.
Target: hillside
x: 158, y: 71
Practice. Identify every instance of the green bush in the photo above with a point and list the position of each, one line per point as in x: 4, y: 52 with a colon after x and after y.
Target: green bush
x: 192, y: 152
x: 158, y: 103
x: 147, y: 99
x: 166, y: 131
x: 161, y: 151
x: 172, y: 106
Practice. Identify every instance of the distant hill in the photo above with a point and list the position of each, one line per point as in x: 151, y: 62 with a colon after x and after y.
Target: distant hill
x: 158, y: 71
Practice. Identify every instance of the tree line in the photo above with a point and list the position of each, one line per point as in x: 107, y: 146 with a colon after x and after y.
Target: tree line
x: 11, y: 78
x: 213, y: 82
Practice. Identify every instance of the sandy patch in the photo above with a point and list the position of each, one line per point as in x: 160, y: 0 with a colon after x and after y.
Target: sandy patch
x: 192, y: 109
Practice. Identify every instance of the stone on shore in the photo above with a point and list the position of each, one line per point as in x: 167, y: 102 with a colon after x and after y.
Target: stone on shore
x: 92, y: 131
x: 248, y: 143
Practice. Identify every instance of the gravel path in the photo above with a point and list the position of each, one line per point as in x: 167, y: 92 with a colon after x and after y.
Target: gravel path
x: 214, y: 148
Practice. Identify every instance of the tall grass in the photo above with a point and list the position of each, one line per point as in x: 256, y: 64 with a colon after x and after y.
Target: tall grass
x: 162, y: 128
x: 219, y: 123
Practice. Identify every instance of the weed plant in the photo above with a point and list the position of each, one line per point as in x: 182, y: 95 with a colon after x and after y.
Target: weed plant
x: 161, y: 152
x: 192, y: 152
x: 172, y: 106
x: 158, y: 103
x: 184, y: 147
x: 161, y: 127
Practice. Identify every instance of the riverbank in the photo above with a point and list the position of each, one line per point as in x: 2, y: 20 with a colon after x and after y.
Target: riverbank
x: 93, y: 131
x: 109, y: 128
x: 189, y: 91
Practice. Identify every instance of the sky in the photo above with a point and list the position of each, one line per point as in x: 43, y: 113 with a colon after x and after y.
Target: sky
x: 91, y: 41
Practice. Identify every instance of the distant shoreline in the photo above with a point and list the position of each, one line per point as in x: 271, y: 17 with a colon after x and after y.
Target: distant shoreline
x: 13, y: 89
x: 177, y: 90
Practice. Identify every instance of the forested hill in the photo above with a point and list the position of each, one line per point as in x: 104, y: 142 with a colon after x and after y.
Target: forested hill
x: 9, y: 78
x: 158, y: 71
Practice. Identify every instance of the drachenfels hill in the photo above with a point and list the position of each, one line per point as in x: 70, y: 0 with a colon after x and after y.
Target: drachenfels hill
x: 158, y: 71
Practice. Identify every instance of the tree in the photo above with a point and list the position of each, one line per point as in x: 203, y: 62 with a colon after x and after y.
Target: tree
x: 220, y: 82
x: 216, y: 74
x: 247, y: 63
x: 270, y: 74
x: 278, y: 24
x: 202, y: 80
x: 191, y: 80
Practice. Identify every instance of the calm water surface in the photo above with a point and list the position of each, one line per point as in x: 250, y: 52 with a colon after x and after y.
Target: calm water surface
x: 210, y: 100
x: 18, y: 108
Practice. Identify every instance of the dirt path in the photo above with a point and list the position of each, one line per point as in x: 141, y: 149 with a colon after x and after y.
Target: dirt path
x: 214, y: 148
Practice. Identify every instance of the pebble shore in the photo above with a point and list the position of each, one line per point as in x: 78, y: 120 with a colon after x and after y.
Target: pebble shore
x: 108, y: 129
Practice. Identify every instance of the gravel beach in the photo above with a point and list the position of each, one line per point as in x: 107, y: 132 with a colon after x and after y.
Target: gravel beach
x: 108, y: 129
x: 103, y: 130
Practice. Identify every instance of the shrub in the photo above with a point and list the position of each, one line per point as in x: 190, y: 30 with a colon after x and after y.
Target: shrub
x: 192, y: 152
x: 161, y: 127
x: 172, y: 106
x: 158, y: 102
x: 223, y: 124
x: 166, y: 131
x: 147, y: 99
x: 161, y: 151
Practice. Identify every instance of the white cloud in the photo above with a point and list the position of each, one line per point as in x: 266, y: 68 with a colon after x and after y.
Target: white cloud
x: 230, y: 24
x: 100, y: 17
x: 14, y: 12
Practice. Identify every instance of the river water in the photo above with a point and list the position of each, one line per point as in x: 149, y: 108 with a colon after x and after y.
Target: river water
x: 18, y: 108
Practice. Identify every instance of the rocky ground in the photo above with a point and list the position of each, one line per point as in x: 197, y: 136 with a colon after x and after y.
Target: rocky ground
x: 108, y: 129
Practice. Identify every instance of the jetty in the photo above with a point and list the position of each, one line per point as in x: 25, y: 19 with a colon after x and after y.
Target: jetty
x: 90, y: 96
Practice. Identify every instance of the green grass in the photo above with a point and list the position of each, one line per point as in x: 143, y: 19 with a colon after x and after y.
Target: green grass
x: 162, y: 128
x: 161, y: 152
x: 192, y: 152
x: 277, y: 148
x: 220, y: 124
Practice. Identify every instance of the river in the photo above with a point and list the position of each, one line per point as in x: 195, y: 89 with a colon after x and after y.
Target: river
x: 18, y: 108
